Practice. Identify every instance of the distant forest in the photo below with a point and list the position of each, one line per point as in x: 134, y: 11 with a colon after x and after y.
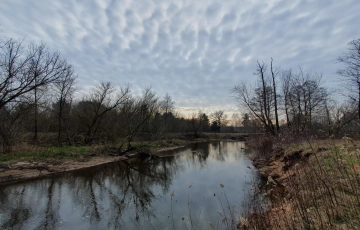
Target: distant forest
x: 38, y: 106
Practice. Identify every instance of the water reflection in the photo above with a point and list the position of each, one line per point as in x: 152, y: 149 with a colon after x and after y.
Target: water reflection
x: 135, y: 194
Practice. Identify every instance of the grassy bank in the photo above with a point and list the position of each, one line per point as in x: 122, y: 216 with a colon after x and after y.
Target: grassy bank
x: 313, y: 184
x: 32, y: 161
x: 37, y: 153
x: 28, y: 152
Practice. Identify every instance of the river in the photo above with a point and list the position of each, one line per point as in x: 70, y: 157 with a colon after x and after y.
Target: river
x: 203, y: 186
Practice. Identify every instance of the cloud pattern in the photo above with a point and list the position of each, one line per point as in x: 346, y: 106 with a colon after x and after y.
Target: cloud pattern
x: 194, y: 50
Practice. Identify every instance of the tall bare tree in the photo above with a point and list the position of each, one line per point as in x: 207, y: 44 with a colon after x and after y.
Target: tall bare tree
x: 64, y: 89
x: 165, y: 115
x: 286, y: 76
x: 273, y: 75
x: 24, y: 70
x: 303, y: 98
x: 351, y: 72
x: 260, y: 101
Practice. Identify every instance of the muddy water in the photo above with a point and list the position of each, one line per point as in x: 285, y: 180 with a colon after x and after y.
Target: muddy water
x: 180, y: 190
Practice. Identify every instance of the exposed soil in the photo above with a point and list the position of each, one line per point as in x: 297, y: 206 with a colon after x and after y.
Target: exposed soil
x: 28, y: 170
x: 279, y: 172
x: 25, y: 170
x: 276, y: 173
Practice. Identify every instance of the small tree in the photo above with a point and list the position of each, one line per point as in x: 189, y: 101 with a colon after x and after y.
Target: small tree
x: 95, y: 106
x: 246, y: 120
x: 220, y: 118
x: 215, y: 127
x: 197, y: 122
x: 136, y: 115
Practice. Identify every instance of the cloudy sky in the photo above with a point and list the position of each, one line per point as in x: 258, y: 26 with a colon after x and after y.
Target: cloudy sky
x: 195, y: 50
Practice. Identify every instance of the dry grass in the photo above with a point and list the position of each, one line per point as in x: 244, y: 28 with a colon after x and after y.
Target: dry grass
x: 322, y: 183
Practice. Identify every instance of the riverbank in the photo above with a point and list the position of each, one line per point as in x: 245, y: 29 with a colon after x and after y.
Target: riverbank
x: 197, y: 187
x: 308, y: 185
x: 29, y: 162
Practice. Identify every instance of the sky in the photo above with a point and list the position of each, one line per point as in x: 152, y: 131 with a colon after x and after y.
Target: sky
x: 194, y: 50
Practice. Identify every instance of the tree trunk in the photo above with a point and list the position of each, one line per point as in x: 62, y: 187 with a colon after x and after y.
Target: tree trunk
x: 35, y: 117
x: 59, y: 121
x: 359, y: 100
x: 275, y: 98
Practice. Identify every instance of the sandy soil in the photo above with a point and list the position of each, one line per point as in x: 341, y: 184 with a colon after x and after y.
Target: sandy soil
x: 28, y: 170
x: 25, y: 170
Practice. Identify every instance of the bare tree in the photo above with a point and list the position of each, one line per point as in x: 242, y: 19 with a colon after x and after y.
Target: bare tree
x: 303, y: 98
x: 340, y: 117
x: 136, y: 114
x: 351, y: 73
x: 196, y: 122
x: 264, y: 95
x: 167, y: 104
x: 64, y: 89
x: 259, y: 101
x: 12, y: 116
x: 220, y: 118
x: 24, y: 70
x: 24, y: 73
x: 306, y: 97
x: 273, y: 75
x: 286, y: 77
x: 165, y: 115
x: 90, y: 112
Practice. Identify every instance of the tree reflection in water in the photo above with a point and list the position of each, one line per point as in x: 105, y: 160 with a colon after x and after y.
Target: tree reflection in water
x: 130, y: 194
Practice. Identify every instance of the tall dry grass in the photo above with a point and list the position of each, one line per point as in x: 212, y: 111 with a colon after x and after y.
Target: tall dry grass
x: 322, y: 181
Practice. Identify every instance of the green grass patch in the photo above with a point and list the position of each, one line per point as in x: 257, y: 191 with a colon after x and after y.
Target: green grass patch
x: 45, y: 153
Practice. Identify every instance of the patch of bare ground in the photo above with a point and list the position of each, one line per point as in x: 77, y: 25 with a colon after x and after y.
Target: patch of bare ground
x: 309, y: 185
x: 19, y: 170
x: 25, y: 170
x: 28, y: 170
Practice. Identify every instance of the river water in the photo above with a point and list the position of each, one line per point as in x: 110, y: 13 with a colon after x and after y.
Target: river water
x: 203, y: 186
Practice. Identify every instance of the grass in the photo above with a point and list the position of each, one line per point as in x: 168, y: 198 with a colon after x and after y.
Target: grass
x: 32, y: 153
x: 38, y: 153
x: 28, y: 152
x: 323, y: 187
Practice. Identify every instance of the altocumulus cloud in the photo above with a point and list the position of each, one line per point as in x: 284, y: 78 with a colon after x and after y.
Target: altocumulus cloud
x: 194, y: 50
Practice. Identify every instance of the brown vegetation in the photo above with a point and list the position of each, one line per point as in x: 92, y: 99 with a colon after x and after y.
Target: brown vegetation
x: 311, y: 184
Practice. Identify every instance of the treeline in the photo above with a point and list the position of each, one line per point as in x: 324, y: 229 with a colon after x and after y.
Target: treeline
x: 294, y: 101
x: 38, y: 106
